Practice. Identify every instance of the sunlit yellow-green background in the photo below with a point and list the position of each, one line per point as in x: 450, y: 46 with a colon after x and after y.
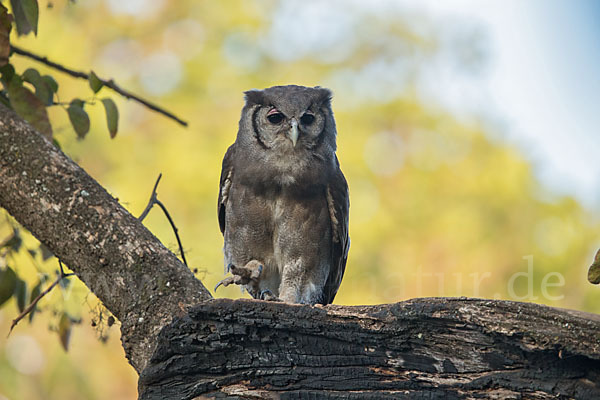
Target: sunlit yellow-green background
x: 440, y: 205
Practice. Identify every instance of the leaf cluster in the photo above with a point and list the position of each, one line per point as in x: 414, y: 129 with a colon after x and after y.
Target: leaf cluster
x: 29, y: 93
x: 27, y: 296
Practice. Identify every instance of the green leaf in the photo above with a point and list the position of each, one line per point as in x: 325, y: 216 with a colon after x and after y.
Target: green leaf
x: 78, y: 103
x: 26, y: 15
x: 20, y: 294
x: 31, y: 74
x: 64, y: 283
x: 594, y: 271
x: 42, y: 90
x: 6, y: 74
x: 14, y: 242
x: 64, y: 330
x: 8, y: 281
x: 4, y: 98
x: 35, y: 292
x: 46, y: 252
x: 112, y: 116
x: 79, y: 118
x: 95, y: 82
x: 29, y: 106
x: 51, y: 83
x: 5, y: 27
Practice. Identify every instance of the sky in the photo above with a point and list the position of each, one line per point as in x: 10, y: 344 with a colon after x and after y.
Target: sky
x: 541, y: 83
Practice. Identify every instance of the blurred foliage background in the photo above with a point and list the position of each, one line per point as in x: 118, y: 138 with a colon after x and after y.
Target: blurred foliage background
x: 441, y: 205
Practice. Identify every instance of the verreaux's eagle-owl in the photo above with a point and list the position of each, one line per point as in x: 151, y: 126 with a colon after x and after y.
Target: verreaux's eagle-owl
x: 283, y: 200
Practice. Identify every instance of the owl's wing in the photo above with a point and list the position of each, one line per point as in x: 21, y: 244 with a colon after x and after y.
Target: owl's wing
x: 339, y: 207
x: 224, y: 185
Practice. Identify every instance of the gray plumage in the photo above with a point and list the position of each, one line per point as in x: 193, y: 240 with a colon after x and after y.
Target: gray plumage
x: 283, y: 200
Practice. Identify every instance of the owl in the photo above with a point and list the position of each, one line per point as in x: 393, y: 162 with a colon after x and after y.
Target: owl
x: 283, y: 200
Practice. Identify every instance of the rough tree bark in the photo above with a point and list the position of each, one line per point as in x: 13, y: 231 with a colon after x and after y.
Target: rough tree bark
x: 138, y: 279
x: 185, y: 345
x: 433, y: 348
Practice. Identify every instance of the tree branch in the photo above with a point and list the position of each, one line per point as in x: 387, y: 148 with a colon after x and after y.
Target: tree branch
x: 106, y: 82
x: 139, y: 280
x: 433, y: 348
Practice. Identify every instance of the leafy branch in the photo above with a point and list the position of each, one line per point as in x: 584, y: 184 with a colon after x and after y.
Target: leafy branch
x: 97, y: 83
x: 33, y: 106
x: 32, y: 305
x: 30, y: 94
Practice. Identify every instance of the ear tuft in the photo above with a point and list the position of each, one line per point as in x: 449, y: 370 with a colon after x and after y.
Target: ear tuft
x: 324, y: 95
x: 254, y: 96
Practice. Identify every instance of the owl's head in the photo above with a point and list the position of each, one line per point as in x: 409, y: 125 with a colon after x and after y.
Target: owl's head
x: 290, y: 118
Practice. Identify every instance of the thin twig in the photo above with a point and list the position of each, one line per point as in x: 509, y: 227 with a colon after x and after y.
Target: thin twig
x: 162, y: 206
x: 62, y: 271
x: 106, y: 82
x: 151, y: 201
x: 154, y: 200
x: 30, y: 307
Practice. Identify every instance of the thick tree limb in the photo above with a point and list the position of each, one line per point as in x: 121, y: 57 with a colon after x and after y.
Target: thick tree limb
x: 420, y: 349
x: 139, y: 280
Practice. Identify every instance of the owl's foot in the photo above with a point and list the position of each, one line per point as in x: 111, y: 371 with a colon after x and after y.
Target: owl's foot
x: 247, y: 275
x: 267, y: 295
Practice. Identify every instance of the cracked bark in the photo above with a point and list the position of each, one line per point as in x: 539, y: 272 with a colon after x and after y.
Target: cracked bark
x: 432, y: 348
x: 185, y: 346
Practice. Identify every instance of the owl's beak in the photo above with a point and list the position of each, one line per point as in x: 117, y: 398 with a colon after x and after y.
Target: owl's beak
x: 293, y: 132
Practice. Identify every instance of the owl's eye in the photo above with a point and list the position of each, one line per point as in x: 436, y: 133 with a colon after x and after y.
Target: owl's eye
x: 307, y: 119
x: 274, y: 116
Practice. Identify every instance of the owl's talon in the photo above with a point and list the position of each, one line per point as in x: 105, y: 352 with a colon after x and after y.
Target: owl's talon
x: 225, y: 282
x: 229, y: 266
